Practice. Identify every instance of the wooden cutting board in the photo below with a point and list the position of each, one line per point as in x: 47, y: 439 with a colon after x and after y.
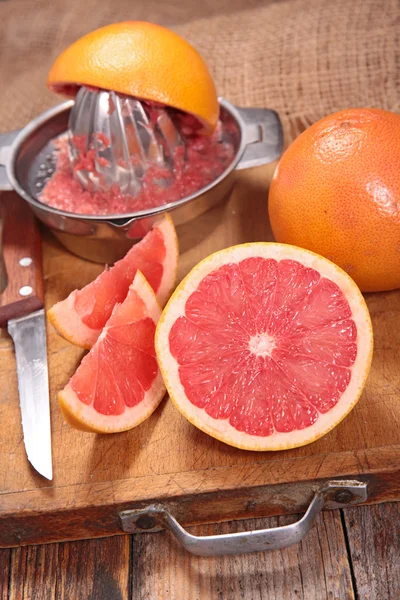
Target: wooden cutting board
x: 167, y: 459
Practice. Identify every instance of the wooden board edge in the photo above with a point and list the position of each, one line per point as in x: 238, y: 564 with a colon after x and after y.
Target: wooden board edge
x: 48, y: 497
x: 209, y: 507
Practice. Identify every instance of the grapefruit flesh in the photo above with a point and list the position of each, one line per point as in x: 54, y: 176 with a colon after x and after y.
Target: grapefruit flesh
x: 118, y: 383
x: 265, y: 346
x: 81, y: 317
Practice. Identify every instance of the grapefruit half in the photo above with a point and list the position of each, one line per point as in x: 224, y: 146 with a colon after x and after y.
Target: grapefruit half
x: 139, y: 59
x: 118, y: 383
x: 81, y: 317
x: 265, y: 346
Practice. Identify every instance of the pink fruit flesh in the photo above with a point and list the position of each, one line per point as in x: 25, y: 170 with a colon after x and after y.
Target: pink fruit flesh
x: 94, y: 303
x: 127, y: 343
x: 267, y: 357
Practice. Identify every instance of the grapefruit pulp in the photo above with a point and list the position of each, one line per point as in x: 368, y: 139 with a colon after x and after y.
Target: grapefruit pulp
x: 81, y: 317
x: 118, y: 383
x: 265, y: 346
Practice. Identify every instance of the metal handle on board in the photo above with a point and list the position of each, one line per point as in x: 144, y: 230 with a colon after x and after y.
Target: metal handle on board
x: 334, y: 494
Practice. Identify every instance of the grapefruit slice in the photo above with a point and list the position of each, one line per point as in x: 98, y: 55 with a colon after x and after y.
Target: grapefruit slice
x: 81, y: 317
x: 118, y: 383
x: 265, y: 346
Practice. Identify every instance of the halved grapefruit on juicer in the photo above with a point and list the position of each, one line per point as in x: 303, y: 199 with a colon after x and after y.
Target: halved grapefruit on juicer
x: 118, y: 383
x: 143, y: 60
x: 81, y: 317
x: 265, y: 346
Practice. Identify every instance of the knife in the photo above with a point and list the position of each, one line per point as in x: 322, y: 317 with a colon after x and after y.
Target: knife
x: 21, y: 310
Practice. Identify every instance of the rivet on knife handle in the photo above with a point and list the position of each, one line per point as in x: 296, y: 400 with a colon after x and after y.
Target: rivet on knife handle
x: 22, y: 261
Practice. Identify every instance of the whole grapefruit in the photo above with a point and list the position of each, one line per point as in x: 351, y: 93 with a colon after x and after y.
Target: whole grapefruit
x: 336, y: 191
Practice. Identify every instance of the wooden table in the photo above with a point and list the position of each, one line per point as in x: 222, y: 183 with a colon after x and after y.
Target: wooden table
x: 350, y: 554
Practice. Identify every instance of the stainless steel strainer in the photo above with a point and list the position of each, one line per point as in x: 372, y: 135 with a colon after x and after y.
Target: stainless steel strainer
x: 125, y: 137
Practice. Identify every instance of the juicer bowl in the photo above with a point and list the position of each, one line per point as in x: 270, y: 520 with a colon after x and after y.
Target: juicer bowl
x: 257, y: 139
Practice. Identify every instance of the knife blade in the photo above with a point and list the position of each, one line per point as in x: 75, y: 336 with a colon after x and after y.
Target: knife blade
x: 21, y: 309
x: 29, y: 335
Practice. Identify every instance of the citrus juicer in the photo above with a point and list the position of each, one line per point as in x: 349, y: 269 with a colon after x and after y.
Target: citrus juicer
x: 27, y: 161
x: 122, y: 137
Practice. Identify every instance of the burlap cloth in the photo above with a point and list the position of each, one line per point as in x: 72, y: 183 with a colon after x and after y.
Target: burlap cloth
x: 304, y: 58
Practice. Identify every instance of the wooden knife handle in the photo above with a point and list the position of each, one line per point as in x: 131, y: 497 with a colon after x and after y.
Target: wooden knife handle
x: 21, y: 269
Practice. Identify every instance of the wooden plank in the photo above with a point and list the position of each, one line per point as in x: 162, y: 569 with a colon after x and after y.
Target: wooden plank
x: 166, y: 457
x: 106, y: 572
x: 34, y: 573
x: 374, y: 540
x: 315, y: 569
x: 5, y: 557
x: 93, y: 569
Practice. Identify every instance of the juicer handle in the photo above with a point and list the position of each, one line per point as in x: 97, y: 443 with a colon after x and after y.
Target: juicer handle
x: 6, y: 140
x: 263, y: 136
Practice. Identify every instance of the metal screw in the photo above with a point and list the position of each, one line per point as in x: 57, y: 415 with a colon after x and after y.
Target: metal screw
x: 343, y: 497
x: 145, y: 522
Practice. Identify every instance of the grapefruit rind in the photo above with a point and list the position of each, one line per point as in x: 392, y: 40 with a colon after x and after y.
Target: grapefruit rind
x: 68, y: 323
x: 135, y: 58
x: 168, y: 280
x: 221, y: 429
x: 85, y: 418
x: 336, y: 192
